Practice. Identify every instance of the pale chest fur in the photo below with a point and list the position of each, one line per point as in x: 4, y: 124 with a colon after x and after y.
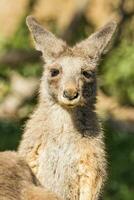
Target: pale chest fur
x: 65, y: 161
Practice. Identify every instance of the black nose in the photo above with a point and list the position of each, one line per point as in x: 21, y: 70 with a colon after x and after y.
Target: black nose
x: 70, y: 95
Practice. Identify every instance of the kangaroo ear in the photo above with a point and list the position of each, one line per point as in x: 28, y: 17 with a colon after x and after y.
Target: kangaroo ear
x: 45, y: 41
x: 99, y: 42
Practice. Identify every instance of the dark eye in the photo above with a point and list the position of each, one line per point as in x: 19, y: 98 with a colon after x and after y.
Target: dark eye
x: 87, y: 74
x: 54, y: 72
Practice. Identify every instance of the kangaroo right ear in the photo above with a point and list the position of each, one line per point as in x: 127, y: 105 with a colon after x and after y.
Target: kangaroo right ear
x: 45, y: 41
x: 99, y: 42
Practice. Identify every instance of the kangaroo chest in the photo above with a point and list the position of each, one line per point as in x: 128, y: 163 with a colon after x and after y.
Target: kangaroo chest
x: 59, y: 164
x: 66, y: 162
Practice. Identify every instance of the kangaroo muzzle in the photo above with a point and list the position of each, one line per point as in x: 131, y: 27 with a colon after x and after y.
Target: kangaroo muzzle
x: 70, y: 94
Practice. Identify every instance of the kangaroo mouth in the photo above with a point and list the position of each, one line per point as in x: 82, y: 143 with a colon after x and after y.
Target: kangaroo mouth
x: 69, y: 103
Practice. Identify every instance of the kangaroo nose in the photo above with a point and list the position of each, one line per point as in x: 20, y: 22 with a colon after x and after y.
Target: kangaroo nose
x: 70, y: 94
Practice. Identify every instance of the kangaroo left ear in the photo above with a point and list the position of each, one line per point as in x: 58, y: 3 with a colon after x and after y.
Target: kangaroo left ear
x: 45, y: 41
x: 99, y: 42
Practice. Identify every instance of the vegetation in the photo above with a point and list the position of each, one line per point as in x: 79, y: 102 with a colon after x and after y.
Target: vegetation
x: 120, y: 166
x: 118, y: 73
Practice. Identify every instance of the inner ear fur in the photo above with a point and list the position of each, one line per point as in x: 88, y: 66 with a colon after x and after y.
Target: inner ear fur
x: 45, y: 41
x: 99, y: 42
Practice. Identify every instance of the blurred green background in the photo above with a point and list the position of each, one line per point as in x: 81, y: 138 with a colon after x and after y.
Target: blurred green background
x: 20, y: 71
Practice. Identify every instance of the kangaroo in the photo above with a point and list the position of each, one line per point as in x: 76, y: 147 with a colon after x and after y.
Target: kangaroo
x: 63, y: 139
x: 17, y: 182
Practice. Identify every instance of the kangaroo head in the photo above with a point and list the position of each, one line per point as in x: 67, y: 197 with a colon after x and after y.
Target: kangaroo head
x: 70, y: 72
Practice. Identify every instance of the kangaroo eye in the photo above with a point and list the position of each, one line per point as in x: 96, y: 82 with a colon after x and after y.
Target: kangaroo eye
x: 87, y: 74
x: 54, y: 72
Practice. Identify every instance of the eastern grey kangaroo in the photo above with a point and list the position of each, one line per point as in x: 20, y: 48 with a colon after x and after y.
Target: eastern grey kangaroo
x: 17, y: 182
x: 63, y: 139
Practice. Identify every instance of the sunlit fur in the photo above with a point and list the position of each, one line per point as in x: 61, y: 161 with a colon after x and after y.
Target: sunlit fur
x: 63, y: 140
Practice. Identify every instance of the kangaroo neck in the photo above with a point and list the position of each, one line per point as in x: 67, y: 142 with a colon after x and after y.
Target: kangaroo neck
x: 81, y: 119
